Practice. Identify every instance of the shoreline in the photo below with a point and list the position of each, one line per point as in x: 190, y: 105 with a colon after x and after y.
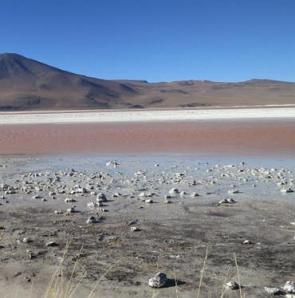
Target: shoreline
x: 128, y: 116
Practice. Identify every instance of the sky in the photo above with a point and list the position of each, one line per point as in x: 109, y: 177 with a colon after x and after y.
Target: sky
x: 155, y: 40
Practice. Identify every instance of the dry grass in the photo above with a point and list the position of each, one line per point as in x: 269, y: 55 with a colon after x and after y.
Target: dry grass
x: 202, y: 272
x: 60, y: 286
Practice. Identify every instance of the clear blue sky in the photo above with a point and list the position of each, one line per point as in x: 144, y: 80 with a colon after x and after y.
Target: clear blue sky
x: 157, y: 40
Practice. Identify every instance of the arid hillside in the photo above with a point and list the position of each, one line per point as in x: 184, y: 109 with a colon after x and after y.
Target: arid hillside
x: 26, y: 84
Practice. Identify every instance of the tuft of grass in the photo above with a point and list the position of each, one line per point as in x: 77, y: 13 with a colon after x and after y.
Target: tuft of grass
x: 202, y: 272
x: 238, y: 275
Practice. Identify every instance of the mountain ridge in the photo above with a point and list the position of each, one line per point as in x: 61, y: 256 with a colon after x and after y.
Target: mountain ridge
x: 27, y: 84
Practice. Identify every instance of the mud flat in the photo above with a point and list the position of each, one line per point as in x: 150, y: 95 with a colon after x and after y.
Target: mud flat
x: 182, y: 206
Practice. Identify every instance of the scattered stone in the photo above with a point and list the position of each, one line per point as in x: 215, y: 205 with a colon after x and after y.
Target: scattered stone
x: 247, y: 242
x: 27, y: 240
x: 149, y: 201
x: 37, y: 197
x: 93, y: 205
x: 233, y: 191
x: 101, y: 197
x: 51, y: 244
x: 158, y: 281
x: 229, y: 201
x: 112, y: 163
x: 71, y: 209
x: 289, y: 287
x: 182, y: 194
x: 194, y: 195
x: 133, y: 222
x: 232, y: 285
x: 173, y: 191
x: 287, y: 190
x: 135, y: 229
x: 91, y: 220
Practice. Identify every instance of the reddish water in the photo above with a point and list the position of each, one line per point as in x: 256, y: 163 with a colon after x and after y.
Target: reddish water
x: 232, y: 137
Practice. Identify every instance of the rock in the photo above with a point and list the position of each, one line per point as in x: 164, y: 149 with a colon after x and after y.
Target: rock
x: 51, y: 244
x: 58, y: 212
x: 287, y: 190
x: 182, y: 194
x: 247, y: 242
x: 158, y: 281
x: 289, y: 287
x: 274, y: 291
x: 173, y: 191
x: 91, y: 220
x: 71, y: 209
x: 93, y: 205
x: 232, y: 285
x: 133, y: 222
x: 194, y: 194
x: 27, y: 240
x: 149, y: 201
x: 233, y: 191
x: 112, y: 163
x: 135, y: 229
x: 101, y: 197
x: 37, y: 197
x: 70, y: 200
x: 226, y: 201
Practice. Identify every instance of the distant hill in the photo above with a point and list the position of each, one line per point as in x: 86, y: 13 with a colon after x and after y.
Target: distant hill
x: 26, y: 84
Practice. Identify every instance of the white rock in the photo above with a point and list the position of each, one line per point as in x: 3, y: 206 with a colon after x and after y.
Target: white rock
x: 173, y: 191
x: 27, y: 240
x: 93, y: 205
x: 158, y: 281
x: 233, y: 285
x: 91, y: 220
x: 149, y: 201
x: 194, y: 194
x: 71, y: 209
x: 247, y: 241
x: 287, y: 190
x: 227, y: 201
x: 182, y: 194
x: 289, y: 287
x: 274, y: 291
x: 101, y: 197
x: 69, y: 200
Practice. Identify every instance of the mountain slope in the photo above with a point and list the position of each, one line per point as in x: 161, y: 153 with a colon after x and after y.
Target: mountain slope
x: 26, y: 84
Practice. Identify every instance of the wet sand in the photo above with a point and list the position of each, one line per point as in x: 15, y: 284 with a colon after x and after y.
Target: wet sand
x: 247, y: 137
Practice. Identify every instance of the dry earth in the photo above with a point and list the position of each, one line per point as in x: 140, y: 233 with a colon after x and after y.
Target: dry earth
x: 173, y: 237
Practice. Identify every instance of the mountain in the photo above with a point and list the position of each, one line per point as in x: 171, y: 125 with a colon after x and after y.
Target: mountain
x: 26, y: 84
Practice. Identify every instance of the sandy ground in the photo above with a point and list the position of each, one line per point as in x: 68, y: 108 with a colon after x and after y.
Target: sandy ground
x: 147, y: 115
x: 173, y: 238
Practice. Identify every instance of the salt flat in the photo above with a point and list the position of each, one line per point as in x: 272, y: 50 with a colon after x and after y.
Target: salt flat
x: 146, y: 115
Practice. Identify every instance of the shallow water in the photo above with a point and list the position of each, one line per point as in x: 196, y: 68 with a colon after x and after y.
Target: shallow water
x: 251, y: 137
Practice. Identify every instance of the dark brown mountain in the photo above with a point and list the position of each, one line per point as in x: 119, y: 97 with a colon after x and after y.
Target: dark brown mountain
x: 26, y: 84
